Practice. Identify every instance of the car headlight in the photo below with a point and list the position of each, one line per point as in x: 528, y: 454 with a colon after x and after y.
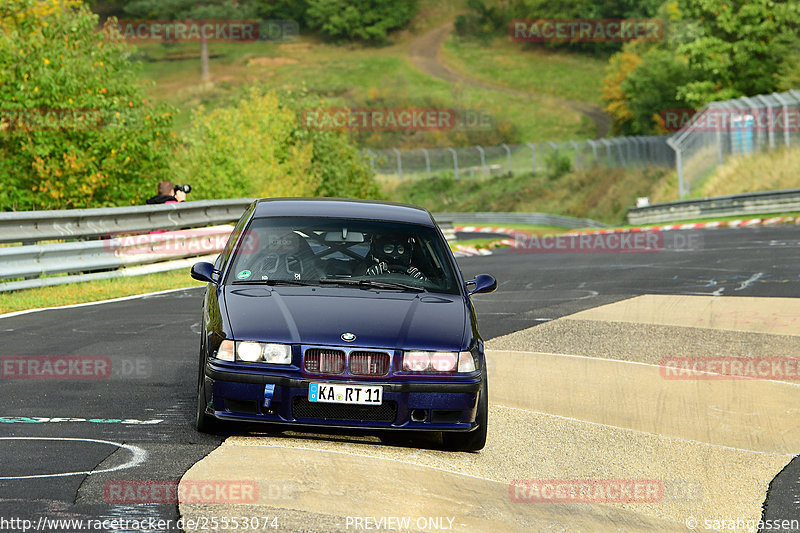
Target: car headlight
x: 435, y: 362
x: 255, y: 352
x: 248, y: 351
x: 277, y: 354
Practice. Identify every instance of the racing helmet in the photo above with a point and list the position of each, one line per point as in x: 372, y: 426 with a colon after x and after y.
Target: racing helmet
x: 393, y: 249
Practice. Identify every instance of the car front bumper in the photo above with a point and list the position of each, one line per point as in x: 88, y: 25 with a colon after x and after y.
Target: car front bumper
x: 262, y: 397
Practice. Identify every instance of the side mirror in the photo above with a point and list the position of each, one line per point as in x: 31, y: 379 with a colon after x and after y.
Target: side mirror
x: 203, y: 271
x: 483, y: 283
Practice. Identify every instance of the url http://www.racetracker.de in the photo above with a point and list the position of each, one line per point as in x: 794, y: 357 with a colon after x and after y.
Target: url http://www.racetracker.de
x: 201, y: 523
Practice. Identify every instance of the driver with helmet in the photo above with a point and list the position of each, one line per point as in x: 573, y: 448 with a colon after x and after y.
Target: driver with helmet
x: 393, y: 253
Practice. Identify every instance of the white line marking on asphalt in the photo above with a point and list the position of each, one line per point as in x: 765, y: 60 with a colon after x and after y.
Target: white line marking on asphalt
x: 121, y: 299
x: 139, y: 456
x: 647, y: 432
x: 750, y: 280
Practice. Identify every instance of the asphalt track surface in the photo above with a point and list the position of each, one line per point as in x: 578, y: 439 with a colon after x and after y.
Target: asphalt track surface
x: 136, y: 423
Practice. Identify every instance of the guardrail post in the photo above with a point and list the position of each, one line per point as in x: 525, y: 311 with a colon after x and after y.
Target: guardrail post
x: 533, y: 155
x: 427, y: 162
x: 508, y: 158
x: 455, y: 162
x: 399, y: 162
x: 483, y: 160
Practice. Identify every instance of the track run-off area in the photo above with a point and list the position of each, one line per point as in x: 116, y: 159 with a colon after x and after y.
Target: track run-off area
x: 596, y: 422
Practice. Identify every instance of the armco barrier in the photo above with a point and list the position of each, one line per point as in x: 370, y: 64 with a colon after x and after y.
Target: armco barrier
x: 87, y: 248
x: 784, y: 201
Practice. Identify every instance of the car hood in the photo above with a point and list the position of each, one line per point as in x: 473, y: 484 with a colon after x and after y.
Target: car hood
x: 320, y: 315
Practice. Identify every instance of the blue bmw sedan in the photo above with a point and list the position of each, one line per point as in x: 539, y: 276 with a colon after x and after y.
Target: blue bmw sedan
x: 342, y: 313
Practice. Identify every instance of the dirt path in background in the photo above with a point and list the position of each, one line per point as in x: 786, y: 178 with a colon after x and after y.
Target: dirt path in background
x: 425, y: 54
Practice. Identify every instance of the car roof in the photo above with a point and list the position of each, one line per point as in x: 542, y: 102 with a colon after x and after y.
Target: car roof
x: 342, y: 208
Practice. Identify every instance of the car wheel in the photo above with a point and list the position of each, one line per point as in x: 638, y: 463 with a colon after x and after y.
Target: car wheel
x: 203, y: 422
x: 476, y: 439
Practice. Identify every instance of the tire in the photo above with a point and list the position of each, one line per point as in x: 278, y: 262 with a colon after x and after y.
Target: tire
x: 476, y: 439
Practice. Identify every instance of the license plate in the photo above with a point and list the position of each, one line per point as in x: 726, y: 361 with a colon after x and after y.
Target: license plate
x: 355, y: 394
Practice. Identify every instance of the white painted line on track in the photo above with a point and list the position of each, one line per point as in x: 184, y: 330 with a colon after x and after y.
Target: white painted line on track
x: 120, y: 299
x: 139, y: 456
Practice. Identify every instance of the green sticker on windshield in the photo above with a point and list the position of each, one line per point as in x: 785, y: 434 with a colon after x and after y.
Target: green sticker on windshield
x: 244, y: 274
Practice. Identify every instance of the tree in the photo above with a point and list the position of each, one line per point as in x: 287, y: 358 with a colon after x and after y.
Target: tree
x: 365, y: 20
x: 75, y: 130
x: 742, y: 48
x: 259, y: 149
x: 191, y: 10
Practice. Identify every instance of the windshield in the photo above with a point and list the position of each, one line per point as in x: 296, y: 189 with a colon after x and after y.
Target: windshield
x: 377, y: 254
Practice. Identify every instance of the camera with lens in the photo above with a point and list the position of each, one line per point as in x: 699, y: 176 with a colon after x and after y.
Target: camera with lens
x: 185, y: 188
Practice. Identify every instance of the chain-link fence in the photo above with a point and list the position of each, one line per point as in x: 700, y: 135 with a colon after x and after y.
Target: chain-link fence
x: 734, y: 127
x: 480, y: 161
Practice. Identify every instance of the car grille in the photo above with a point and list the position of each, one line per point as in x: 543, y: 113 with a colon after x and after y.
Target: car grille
x: 302, y: 408
x: 369, y: 363
x: 322, y: 361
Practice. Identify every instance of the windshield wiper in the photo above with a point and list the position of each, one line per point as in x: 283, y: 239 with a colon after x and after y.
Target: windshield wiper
x: 372, y: 283
x: 272, y: 282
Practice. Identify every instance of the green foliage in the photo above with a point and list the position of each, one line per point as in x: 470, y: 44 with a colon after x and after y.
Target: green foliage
x: 557, y: 163
x: 75, y: 130
x: 742, y: 47
x: 258, y: 149
x: 652, y: 89
x: 188, y: 9
x: 363, y: 20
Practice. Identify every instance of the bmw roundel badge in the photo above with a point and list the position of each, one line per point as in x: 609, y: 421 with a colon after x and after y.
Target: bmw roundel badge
x: 348, y: 337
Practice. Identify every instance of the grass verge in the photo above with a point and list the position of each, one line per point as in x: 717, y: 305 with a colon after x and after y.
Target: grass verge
x: 92, y: 291
x: 600, y: 194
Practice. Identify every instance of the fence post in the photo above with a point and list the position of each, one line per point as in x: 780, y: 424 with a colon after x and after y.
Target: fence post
x: 593, y: 144
x: 427, y: 162
x: 678, y: 168
x: 455, y: 162
x: 508, y: 158
x: 533, y: 155
x: 608, y: 151
x: 371, y: 160
x: 399, y: 162
x: 575, y: 145
x: 771, y: 128
x: 785, y: 104
x: 483, y: 160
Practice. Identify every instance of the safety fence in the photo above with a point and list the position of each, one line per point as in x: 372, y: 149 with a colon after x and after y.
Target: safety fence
x: 482, y: 161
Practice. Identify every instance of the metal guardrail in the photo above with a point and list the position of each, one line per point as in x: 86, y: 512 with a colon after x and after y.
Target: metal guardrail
x: 34, y: 226
x: 719, y: 206
x: 534, y: 219
x: 107, y: 242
